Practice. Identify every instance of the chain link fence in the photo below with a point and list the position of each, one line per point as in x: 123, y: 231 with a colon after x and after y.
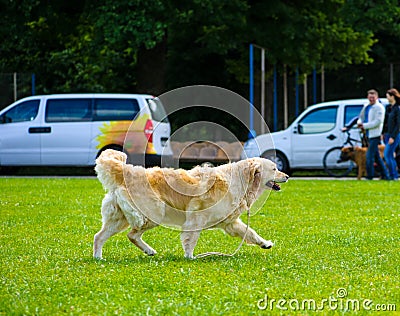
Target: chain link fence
x: 14, y: 86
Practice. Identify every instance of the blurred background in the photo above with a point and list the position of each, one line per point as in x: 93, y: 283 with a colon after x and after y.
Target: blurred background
x: 313, y: 50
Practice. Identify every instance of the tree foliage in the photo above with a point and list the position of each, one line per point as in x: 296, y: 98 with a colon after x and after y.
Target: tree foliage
x: 120, y: 46
x: 309, y: 33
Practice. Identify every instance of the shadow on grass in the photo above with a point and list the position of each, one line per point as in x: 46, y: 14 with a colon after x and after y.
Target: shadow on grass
x: 47, y: 171
x: 141, y: 259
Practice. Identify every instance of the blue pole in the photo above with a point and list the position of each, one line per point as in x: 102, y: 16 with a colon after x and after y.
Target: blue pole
x: 297, y: 92
x: 275, y: 101
x: 33, y: 84
x: 314, y: 86
x: 251, y: 88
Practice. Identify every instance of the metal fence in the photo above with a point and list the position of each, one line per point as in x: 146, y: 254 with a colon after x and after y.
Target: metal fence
x: 14, y: 86
x: 351, y: 82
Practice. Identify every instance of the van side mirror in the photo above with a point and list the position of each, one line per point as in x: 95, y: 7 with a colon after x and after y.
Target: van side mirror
x: 299, y: 129
x: 4, y: 119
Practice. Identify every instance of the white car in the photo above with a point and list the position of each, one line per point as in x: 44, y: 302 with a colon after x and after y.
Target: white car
x: 73, y: 129
x: 304, y: 143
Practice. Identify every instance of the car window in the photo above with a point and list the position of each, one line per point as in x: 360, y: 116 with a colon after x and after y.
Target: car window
x: 115, y: 109
x: 318, y: 121
x: 68, y: 110
x: 157, y: 110
x: 351, y: 112
x: 23, y: 112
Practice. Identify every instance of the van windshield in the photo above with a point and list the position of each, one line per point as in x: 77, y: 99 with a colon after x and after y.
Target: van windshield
x: 157, y: 110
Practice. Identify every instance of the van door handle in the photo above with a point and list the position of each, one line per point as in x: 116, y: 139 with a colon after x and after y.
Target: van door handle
x: 39, y: 130
x: 331, y: 137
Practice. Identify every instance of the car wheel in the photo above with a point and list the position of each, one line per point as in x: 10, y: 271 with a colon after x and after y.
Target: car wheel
x: 279, y: 158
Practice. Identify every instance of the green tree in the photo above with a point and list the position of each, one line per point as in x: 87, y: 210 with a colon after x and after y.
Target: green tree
x: 309, y: 33
x: 202, y: 38
x: 103, y: 54
x: 152, y: 46
x: 382, y: 18
x: 31, y: 31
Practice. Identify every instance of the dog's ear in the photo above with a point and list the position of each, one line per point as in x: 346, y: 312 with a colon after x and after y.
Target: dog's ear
x: 347, y: 149
x: 255, y: 167
x: 255, y: 175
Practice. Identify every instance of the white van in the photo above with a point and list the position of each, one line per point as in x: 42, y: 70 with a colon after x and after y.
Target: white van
x: 73, y: 129
x: 304, y: 143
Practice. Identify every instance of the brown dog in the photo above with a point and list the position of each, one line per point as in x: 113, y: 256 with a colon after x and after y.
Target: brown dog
x: 359, y: 156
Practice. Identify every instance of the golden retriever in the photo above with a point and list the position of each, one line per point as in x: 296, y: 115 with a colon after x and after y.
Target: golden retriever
x: 359, y: 156
x: 201, y: 198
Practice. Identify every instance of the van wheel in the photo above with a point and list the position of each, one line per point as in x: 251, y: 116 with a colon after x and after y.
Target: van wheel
x: 114, y: 147
x: 279, y: 158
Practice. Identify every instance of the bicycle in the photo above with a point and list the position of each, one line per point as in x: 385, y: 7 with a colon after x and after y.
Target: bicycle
x: 333, y: 164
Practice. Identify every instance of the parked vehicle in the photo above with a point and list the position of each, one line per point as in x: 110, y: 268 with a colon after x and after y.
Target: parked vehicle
x: 73, y: 129
x: 304, y: 143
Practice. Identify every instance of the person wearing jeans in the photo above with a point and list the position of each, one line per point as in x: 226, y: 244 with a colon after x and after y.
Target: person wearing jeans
x: 392, y: 132
x: 371, y: 120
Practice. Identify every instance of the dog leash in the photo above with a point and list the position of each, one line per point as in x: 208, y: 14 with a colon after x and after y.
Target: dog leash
x: 207, y: 254
x: 221, y: 254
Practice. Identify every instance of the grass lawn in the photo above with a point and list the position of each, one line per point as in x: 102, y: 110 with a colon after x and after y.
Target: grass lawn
x: 336, y: 244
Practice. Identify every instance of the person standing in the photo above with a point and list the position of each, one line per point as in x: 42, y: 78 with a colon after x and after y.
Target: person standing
x: 371, y: 119
x: 392, y: 131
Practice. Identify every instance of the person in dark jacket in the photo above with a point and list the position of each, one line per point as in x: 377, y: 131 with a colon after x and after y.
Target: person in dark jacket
x: 392, y: 131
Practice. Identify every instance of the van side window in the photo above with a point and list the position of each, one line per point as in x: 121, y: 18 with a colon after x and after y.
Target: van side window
x: 115, y: 109
x: 68, y: 110
x: 318, y: 121
x: 350, y: 113
x: 23, y: 112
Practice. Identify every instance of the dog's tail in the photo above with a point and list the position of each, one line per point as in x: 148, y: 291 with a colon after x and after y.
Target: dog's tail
x: 109, y: 168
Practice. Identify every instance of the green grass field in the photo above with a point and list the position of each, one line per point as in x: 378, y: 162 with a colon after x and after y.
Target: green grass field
x: 336, y: 245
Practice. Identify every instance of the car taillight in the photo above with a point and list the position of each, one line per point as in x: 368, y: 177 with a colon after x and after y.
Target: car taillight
x: 148, y: 131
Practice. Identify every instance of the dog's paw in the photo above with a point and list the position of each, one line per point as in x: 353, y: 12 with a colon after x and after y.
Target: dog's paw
x: 150, y: 252
x: 97, y: 256
x: 189, y: 256
x: 267, y: 244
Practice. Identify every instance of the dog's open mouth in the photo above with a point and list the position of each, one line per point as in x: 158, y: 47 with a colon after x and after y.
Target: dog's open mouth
x: 273, y: 185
